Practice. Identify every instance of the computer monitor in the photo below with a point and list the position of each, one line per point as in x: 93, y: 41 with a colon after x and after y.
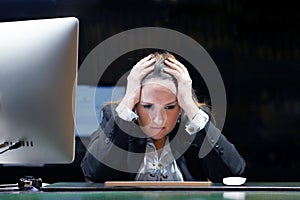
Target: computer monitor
x: 38, y: 77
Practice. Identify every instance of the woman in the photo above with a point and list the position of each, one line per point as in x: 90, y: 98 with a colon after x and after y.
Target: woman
x: 159, y: 131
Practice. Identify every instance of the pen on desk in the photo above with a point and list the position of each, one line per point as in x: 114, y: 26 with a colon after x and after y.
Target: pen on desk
x: 8, y: 185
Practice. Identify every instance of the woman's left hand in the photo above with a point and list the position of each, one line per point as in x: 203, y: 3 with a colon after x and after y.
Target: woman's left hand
x: 184, y: 88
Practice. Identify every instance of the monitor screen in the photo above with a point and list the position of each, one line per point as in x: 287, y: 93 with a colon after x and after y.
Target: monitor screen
x: 38, y: 78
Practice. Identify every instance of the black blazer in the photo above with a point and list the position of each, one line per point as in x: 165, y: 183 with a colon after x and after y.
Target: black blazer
x: 114, y: 155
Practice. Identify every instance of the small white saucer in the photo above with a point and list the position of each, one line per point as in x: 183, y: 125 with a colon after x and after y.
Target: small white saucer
x: 234, y: 180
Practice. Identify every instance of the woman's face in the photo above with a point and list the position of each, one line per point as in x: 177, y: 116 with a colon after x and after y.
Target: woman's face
x: 158, y: 109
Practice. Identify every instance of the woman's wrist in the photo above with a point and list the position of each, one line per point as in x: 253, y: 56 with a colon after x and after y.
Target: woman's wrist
x: 125, y: 113
x: 128, y: 102
x: 190, y: 110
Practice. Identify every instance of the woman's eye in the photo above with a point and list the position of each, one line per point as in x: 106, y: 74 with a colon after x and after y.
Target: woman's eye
x: 147, y: 106
x: 169, y: 107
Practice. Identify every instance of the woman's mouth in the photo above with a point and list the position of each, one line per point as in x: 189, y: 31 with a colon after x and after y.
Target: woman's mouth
x: 157, y: 128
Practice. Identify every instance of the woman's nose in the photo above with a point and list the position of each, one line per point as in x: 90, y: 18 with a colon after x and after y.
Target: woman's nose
x: 158, y: 116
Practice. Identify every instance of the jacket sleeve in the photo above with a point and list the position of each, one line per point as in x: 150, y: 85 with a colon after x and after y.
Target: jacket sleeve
x: 217, y: 157
x: 99, y: 163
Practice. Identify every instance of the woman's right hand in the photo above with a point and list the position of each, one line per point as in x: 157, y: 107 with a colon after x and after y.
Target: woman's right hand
x: 134, y: 79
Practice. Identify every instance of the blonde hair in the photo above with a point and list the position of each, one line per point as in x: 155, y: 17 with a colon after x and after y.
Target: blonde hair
x: 159, y: 73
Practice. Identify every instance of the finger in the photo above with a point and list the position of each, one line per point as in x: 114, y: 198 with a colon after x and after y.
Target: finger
x: 144, y: 60
x: 179, y: 76
x: 144, y: 64
x: 149, y: 62
x: 176, y: 62
x: 148, y: 70
x: 174, y: 66
x: 173, y: 72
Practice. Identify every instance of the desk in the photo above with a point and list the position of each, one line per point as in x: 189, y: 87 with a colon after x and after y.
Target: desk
x: 250, y: 191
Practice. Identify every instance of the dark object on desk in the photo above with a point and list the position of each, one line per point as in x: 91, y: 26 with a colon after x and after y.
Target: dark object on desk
x: 28, y: 182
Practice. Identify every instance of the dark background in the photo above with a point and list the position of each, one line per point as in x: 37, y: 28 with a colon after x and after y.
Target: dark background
x: 255, y: 45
